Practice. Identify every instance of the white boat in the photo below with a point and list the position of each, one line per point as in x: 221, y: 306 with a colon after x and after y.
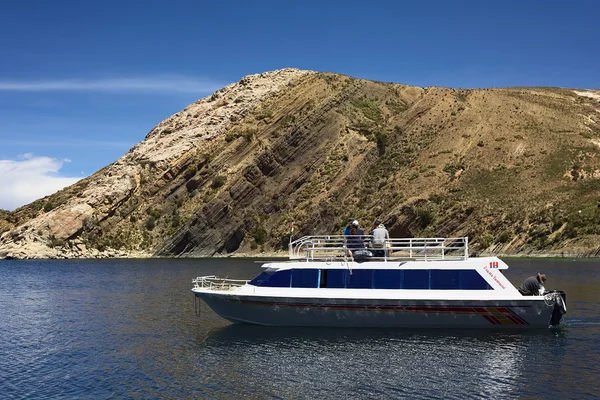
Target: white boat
x: 419, y: 282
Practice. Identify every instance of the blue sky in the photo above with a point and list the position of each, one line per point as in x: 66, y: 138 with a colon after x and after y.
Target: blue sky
x: 83, y: 81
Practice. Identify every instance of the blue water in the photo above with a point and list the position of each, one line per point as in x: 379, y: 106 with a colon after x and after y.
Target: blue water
x: 127, y: 329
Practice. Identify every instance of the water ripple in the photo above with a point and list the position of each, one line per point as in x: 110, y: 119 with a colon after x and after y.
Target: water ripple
x: 127, y: 329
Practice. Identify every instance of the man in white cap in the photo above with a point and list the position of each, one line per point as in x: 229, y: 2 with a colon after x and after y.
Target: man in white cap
x: 355, y: 237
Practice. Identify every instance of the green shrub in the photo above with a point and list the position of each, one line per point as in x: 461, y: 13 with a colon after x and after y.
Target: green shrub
x: 425, y: 215
x: 218, y: 181
x: 288, y: 121
x: 191, y: 171
x: 154, y: 212
x: 231, y: 136
x: 452, y: 169
x: 176, y: 221
x: 260, y: 235
x: 369, y: 108
x: 249, y: 134
x: 264, y: 114
x: 485, y: 240
x: 381, y: 140
x: 150, y: 223
x: 54, y: 242
x: 504, y: 237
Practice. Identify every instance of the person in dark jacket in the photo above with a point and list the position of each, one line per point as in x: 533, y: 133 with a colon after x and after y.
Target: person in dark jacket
x: 355, y: 239
x: 533, y: 286
x: 348, y: 228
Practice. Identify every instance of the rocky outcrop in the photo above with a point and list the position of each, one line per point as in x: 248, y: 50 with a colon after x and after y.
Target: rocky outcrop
x: 516, y: 170
x: 162, y: 151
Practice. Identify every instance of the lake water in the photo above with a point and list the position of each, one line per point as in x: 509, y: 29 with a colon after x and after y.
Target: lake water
x: 127, y: 329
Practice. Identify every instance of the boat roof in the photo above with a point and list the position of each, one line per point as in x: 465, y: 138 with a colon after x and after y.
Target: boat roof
x: 491, y: 263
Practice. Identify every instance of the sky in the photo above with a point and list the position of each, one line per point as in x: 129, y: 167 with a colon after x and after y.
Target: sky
x: 81, y: 82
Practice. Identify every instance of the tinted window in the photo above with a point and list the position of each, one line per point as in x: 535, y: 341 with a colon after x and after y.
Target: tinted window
x: 437, y: 279
x: 336, y: 278
x: 261, y: 278
x: 448, y: 279
x: 471, y: 280
x: 359, y: 279
x: 416, y: 279
x: 273, y: 279
x: 387, y: 279
x: 306, y: 278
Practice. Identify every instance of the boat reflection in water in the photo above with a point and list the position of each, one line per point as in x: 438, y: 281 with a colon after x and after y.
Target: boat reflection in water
x: 419, y: 282
x: 415, y: 363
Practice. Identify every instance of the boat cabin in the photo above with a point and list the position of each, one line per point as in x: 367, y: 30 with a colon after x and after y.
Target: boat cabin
x: 377, y: 278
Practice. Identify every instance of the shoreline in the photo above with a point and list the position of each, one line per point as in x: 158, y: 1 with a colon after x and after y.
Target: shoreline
x: 285, y: 256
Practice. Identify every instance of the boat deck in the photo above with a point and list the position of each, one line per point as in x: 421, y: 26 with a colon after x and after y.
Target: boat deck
x: 328, y: 247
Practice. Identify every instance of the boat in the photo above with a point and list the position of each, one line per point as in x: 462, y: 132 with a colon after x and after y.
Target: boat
x: 410, y: 282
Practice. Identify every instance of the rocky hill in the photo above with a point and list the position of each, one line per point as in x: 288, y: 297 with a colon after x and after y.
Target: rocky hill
x: 517, y: 170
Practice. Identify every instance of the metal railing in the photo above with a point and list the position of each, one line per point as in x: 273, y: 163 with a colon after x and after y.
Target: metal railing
x: 213, y: 282
x: 339, y: 246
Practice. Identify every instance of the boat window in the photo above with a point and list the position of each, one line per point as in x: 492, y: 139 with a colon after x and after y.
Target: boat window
x: 472, y: 280
x: 359, y: 279
x: 261, y: 278
x: 416, y: 279
x: 437, y: 279
x: 305, y: 278
x: 445, y: 279
x: 387, y: 279
x: 273, y: 279
x: 336, y: 278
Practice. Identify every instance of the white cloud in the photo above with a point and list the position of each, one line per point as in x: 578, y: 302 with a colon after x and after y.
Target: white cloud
x: 30, y: 178
x: 159, y: 84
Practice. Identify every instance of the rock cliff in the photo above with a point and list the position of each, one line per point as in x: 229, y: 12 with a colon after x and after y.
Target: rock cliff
x: 517, y: 170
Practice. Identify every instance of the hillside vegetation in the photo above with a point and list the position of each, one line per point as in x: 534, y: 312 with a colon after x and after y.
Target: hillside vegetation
x: 517, y: 170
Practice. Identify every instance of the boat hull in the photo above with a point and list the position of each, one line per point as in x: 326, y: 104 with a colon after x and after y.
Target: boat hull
x: 530, y: 312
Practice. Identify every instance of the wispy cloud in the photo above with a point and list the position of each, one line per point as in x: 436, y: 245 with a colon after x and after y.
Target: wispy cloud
x: 69, y: 143
x: 30, y: 178
x: 156, y: 84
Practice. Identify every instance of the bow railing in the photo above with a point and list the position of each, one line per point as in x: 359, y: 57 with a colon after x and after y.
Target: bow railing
x: 213, y: 282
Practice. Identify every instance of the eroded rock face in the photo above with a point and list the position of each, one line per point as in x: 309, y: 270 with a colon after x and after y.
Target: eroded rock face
x: 110, y: 188
x: 510, y: 168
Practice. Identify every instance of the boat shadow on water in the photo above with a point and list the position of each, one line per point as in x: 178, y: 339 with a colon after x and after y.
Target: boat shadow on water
x: 235, y: 335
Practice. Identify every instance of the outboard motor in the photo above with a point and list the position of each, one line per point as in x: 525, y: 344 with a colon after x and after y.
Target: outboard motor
x: 558, y: 298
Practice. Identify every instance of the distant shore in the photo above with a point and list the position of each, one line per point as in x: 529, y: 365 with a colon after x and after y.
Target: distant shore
x: 285, y: 255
